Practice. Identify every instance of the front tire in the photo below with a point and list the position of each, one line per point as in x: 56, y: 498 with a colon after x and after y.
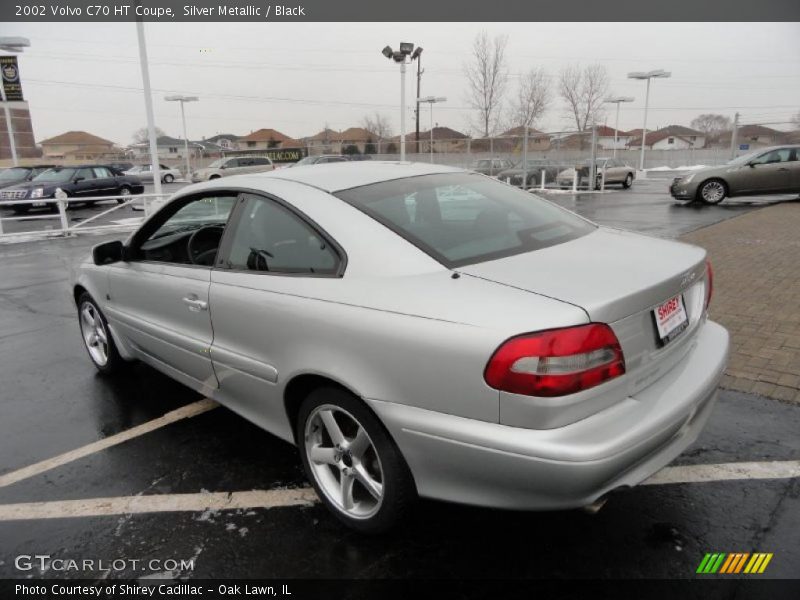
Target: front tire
x: 97, y: 337
x: 168, y: 178
x: 712, y: 191
x: 355, y: 467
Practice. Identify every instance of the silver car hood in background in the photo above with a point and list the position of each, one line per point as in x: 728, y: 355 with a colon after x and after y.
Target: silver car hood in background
x: 609, y: 273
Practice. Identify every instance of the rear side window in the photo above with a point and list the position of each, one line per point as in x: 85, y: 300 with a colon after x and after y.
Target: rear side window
x: 464, y: 218
x: 271, y: 238
x: 260, y: 161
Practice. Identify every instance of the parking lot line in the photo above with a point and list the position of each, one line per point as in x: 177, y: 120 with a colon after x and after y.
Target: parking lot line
x: 305, y: 496
x: 184, y: 412
x: 781, y: 469
x: 205, y: 501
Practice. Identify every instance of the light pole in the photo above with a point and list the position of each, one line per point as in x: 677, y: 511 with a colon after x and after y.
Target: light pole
x: 148, y: 107
x: 648, y: 75
x: 618, y: 100
x: 430, y: 100
x: 401, y: 57
x: 14, y: 45
x: 183, y: 100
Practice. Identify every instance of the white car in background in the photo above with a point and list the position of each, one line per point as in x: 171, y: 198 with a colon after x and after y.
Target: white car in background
x: 145, y: 173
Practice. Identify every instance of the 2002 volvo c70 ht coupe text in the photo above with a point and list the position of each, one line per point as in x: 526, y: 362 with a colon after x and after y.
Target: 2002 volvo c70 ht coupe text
x: 418, y: 330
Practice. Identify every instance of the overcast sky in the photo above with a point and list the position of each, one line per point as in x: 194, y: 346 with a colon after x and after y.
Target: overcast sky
x: 297, y: 77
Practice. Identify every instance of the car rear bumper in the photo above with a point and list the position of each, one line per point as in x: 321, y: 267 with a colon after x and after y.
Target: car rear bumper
x: 488, y: 464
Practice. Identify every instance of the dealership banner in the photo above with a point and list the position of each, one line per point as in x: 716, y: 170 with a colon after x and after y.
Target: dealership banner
x: 172, y: 11
x: 11, y: 83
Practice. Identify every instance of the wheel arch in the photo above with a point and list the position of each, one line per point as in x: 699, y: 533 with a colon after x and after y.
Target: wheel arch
x: 302, y: 384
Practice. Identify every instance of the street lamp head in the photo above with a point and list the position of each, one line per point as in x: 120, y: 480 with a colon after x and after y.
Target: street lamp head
x: 618, y: 99
x: 417, y: 52
x: 406, y: 48
x: 657, y: 73
x: 14, y: 43
x: 387, y: 52
x: 181, y: 98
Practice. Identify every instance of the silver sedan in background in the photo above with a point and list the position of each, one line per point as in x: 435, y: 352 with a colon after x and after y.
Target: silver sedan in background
x: 418, y: 330
x: 145, y: 173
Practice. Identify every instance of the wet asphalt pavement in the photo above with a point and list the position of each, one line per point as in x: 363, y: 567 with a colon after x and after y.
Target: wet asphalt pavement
x: 53, y: 401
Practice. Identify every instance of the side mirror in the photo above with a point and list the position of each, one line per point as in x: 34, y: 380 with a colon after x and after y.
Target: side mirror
x: 108, y: 253
x: 78, y: 179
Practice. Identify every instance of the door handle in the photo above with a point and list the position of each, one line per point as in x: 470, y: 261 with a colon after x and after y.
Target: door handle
x: 195, y: 304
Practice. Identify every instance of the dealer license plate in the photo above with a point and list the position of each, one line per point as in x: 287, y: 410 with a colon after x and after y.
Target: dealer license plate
x: 671, y: 319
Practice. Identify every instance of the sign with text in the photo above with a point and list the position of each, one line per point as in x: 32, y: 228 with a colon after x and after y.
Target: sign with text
x: 11, y: 83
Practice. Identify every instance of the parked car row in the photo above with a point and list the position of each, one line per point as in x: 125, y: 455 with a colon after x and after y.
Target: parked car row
x: 533, y: 170
x: 85, y: 181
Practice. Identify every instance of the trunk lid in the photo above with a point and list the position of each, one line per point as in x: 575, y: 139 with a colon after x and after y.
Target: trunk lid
x: 610, y: 274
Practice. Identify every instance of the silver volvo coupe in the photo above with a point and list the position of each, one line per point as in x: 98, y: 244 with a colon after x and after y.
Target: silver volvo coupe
x: 418, y: 330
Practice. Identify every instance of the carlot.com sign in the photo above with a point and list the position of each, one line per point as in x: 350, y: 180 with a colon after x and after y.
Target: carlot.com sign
x: 276, y: 155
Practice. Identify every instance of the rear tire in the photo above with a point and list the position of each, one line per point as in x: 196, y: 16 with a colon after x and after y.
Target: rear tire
x: 168, y: 178
x: 123, y: 191
x: 97, y: 338
x: 355, y: 467
x: 213, y: 177
x: 628, y: 181
x: 712, y: 191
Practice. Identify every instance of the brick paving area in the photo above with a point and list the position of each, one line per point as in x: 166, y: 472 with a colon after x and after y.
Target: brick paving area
x: 756, y: 261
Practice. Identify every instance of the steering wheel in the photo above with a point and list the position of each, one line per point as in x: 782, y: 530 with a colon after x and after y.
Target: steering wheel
x: 197, y: 247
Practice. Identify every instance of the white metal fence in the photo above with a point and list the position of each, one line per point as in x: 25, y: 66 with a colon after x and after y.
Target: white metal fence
x: 150, y: 203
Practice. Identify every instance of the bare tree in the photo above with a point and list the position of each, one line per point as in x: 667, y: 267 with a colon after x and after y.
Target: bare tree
x: 711, y: 124
x: 378, y: 125
x: 583, y: 90
x: 533, y: 98
x: 487, y: 77
x: 142, y: 134
x: 796, y: 120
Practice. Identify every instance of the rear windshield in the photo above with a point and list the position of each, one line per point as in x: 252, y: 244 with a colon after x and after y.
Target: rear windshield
x: 466, y: 218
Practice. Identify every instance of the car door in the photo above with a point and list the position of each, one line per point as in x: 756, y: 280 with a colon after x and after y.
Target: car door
x: 272, y: 264
x: 794, y: 170
x: 233, y: 166
x: 159, y: 299
x: 766, y: 174
x: 83, y: 183
x: 105, y: 184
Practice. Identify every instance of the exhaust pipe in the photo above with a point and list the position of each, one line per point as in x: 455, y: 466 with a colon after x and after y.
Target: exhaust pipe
x: 595, y: 506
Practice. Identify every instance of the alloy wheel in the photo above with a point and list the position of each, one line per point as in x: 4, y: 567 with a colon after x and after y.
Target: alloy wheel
x: 713, y: 192
x: 94, y: 333
x: 344, y: 461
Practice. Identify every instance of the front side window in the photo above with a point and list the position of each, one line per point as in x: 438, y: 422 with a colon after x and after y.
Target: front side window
x: 56, y: 175
x: 776, y: 156
x: 85, y: 174
x: 271, y: 238
x: 191, y: 235
x: 234, y: 162
x: 463, y: 218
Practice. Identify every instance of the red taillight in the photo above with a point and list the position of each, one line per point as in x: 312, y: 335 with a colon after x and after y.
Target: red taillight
x: 709, y: 282
x: 556, y: 362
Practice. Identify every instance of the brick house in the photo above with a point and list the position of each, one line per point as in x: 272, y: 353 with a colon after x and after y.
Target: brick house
x: 673, y: 137
x: 266, y: 139
x: 78, y: 145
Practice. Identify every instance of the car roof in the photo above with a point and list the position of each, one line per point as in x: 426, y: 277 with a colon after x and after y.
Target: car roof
x: 334, y: 177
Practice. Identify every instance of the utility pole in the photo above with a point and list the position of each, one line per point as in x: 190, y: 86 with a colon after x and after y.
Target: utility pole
x: 734, y: 135
x: 420, y: 71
